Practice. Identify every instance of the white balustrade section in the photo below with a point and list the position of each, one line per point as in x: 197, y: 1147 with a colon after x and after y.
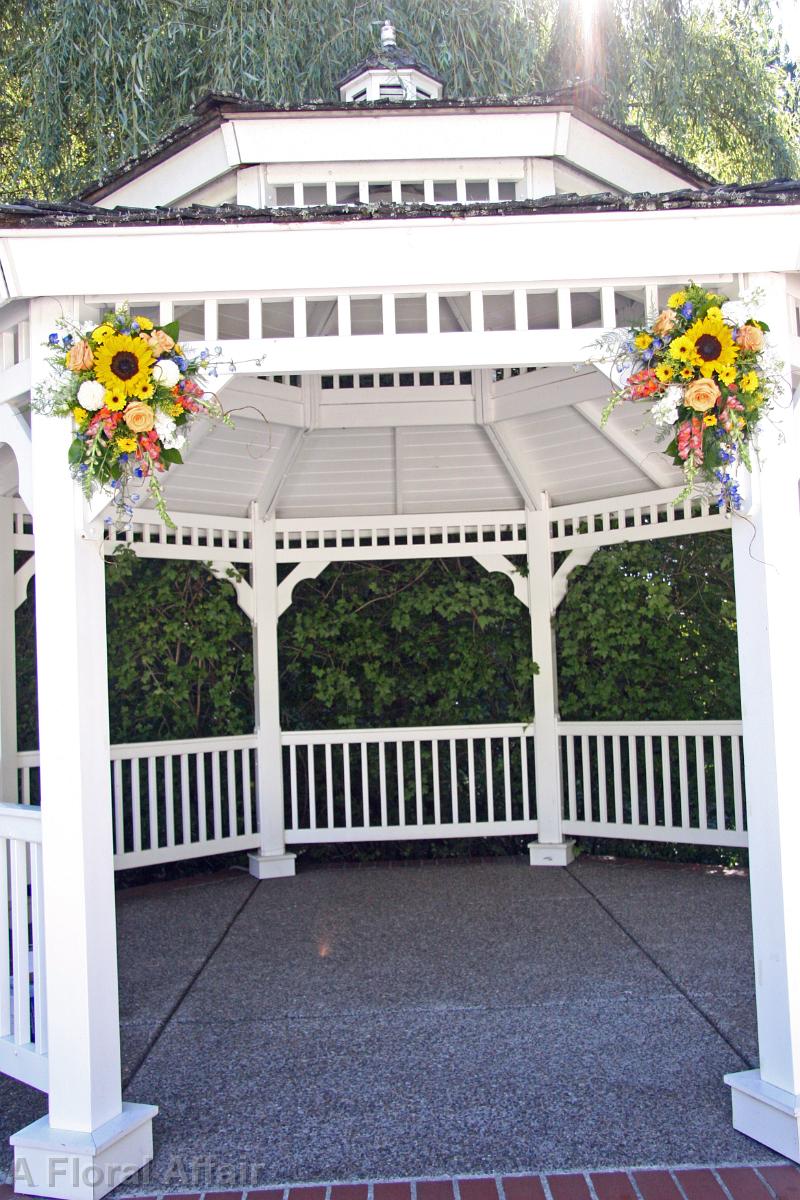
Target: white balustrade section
x: 392, y: 784
x: 664, y: 781
x: 175, y: 800
x: 23, y: 1010
x: 632, y: 519
x: 424, y: 535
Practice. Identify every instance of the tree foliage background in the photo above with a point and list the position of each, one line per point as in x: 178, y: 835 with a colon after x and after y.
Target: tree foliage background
x: 647, y: 631
x: 85, y: 84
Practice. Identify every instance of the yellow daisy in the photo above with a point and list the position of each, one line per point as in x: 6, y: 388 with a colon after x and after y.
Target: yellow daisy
x: 642, y: 341
x: 727, y: 374
x: 79, y: 414
x: 123, y: 364
x: 146, y: 391
x: 115, y: 403
x: 144, y: 323
x: 126, y: 445
x: 102, y: 333
x: 711, y: 345
x: 749, y: 382
x: 665, y: 372
x: 715, y: 312
x: 680, y: 348
x: 687, y: 372
x: 709, y: 419
x: 676, y: 300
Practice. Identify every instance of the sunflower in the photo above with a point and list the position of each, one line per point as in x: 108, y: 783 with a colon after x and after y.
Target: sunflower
x: 123, y: 364
x: 711, y: 345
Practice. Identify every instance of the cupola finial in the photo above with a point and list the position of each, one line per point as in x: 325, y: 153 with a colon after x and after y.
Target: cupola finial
x: 388, y: 35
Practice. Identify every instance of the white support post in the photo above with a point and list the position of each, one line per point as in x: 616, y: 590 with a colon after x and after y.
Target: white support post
x: 271, y: 861
x: 90, y: 1141
x: 8, y: 664
x: 551, y: 849
x: 766, y: 1101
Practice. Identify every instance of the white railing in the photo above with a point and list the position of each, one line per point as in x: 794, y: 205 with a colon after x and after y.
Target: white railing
x: 632, y: 519
x: 383, y: 784
x: 665, y: 781
x: 425, y: 535
x: 175, y: 800
x: 23, y: 1010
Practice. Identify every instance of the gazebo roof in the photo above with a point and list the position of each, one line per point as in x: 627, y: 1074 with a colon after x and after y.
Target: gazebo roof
x: 216, y: 109
x: 77, y: 212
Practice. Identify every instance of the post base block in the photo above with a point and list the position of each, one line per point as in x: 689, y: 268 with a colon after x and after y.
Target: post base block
x: 82, y: 1166
x: 272, y: 866
x: 765, y: 1113
x: 552, y: 854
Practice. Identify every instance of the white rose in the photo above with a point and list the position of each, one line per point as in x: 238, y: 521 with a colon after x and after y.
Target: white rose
x: 665, y: 410
x: 735, y: 312
x: 92, y: 395
x: 168, y: 433
x: 166, y: 371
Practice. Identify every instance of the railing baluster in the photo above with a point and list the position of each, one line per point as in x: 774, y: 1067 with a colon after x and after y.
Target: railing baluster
x: 348, y: 798
x: 382, y: 777
x: 572, y: 800
x: 650, y: 780
x: 202, y: 814
x: 454, y: 815
x: 719, y: 784
x: 523, y: 766
x: 736, y: 762
x: 169, y: 799
x: 401, y: 784
x: 329, y: 784
x: 247, y: 793
x: 586, y: 773
x: 365, y: 786
x: 700, y: 775
x: 666, y: 782
x: 152, y: 803
x: 233, y: 799
x: 471, y: 779
x: 602, y: 790
x: 136, y: 802
x: 487, y: 754
x: 293, y: 786
x: 312, y: 789
x: 506, y: 780
x: 19, y: 942
x: 616, y: 757
x: 5, y: 958
x: 37, y: 948
x: 216, y: 794
x: 418, y: 779
x: 683, y: 776
x: 186, y: 810
x: 119, y: 812
x: 437, y: 799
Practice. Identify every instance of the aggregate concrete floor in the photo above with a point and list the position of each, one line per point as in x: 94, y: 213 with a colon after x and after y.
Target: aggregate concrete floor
x: 379, y: 1022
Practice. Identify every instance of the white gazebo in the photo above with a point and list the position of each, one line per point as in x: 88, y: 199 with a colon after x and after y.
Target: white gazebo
x: 409, y: 288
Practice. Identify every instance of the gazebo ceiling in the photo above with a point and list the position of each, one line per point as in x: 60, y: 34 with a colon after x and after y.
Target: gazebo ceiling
x: 344, y: 466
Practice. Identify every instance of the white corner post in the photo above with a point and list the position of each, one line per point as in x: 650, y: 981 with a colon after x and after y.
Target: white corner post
x: 91, y: 1140
x: 271, y: 861
x: 766, y: 549
x: 551, y: 849
x: 8, y: 665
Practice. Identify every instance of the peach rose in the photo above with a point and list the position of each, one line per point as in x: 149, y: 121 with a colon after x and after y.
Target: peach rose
x: 701, y: 395
x: 139, y: 417
x: 750, y: 337
x: 159, y: 341
x: 664, y: 322
x: 80, y: 357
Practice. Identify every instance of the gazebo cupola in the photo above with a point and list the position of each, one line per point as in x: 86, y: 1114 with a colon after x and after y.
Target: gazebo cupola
x: 391, y: 74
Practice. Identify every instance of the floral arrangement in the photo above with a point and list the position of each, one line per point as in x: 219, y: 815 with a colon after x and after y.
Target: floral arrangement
x: 704, y: 369
x: 131, y: 393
